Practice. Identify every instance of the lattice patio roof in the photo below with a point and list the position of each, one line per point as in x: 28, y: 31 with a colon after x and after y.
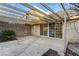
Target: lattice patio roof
x: 46, y: 12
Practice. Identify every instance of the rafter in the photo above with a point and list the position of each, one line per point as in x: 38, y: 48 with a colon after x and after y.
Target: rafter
x: 47, y: 7
x: 39, y: 15
x: 10, y: 14
x: 64, y: 9
x: 42, y: 18
x: 5, y: 9
x: 49, y: 16
x: 33, y: 8
x: 75, y: 5
x: 13, y: 7
x: 3, y: 15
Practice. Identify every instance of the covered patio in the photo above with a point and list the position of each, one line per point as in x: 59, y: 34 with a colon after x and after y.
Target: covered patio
x: 39, y: 27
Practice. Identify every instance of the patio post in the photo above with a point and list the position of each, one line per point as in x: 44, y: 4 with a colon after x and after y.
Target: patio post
x: 64, y: 27
x: 64, y: 32
x: 48, y: 29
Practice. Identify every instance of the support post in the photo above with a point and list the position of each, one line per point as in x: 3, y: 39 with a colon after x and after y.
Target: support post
x: 64, y: 37
x: 64, y: 27
x: 48, y: 29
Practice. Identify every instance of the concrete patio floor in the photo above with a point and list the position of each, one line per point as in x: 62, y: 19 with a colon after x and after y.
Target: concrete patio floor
x: 74, y: 47
x: 31, y: 46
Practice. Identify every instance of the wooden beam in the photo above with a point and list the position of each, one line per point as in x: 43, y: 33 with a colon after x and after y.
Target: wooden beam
x: 42, y: 18
x: 9, y: 14
x: 6, y: 9
x: 47, y: 7
x: 64, y: 10
x: 13, y: 7
x: 33, y: 8
x: 74, y: 4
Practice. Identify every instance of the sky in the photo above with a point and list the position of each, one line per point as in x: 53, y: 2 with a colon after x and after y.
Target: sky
x: 55, y: 6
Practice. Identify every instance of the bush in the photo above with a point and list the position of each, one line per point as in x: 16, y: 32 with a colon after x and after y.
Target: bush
x: 7, y: 35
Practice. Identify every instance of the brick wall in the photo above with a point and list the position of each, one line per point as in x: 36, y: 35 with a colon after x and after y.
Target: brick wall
x: 20, y: 29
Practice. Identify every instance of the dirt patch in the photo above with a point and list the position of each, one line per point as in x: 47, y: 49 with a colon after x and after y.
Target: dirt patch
x: 51, y: 52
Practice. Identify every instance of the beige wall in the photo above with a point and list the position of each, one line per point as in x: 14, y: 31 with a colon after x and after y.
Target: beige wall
x: 15, y: 25
x: 72, y: 34
x: 36, y: 30
x: 11, y: 20
x: 20, y: 29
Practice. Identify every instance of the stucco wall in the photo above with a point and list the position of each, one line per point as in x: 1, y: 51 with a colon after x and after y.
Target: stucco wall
x: 72, y: 31
x: 11, y: 20
x: 36, y: 30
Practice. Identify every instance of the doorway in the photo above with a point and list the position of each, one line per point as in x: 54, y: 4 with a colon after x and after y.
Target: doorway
x: 55, y: 30
x: 44, y: 29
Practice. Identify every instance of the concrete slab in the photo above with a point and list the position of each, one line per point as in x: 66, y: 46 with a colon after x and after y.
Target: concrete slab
x: 31, y: 46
